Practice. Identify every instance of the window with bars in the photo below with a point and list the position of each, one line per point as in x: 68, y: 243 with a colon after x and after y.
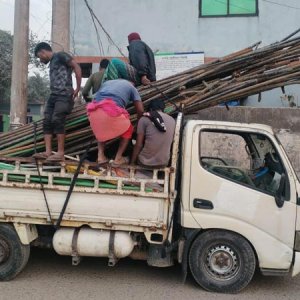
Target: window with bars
x: 228, y: 8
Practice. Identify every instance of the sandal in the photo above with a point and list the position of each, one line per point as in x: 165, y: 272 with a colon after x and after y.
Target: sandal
x: 55, y: 158
x: 41, y: 155
x: 123, y: 161
x: 103, y: 162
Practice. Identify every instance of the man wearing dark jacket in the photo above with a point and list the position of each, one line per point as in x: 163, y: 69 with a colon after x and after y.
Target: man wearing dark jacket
x: 142, y: 58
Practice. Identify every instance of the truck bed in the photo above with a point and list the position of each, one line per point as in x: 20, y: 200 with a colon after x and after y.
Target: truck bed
x: 127, y: 198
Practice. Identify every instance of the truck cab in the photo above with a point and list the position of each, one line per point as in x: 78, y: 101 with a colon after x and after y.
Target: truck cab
x: 241, y: 191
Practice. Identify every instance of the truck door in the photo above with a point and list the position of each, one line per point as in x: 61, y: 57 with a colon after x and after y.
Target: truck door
x: 235, y: 178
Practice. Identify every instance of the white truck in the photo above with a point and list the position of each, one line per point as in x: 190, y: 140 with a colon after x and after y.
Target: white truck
x: 227, y: 205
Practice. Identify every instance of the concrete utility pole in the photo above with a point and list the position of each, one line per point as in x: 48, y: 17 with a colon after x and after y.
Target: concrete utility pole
x: 60, y: 35
x: 18, y: 102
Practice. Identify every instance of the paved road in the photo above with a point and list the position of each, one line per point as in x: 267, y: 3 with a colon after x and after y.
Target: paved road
x: 49, y: 276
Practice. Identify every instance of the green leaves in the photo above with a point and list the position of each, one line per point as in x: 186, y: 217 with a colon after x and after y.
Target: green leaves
x: 38, y: 89
x: 6, y: 46
x: 6, y: 53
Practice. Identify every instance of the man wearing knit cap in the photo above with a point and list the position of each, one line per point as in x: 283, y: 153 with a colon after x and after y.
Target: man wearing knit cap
x: 142, y: 58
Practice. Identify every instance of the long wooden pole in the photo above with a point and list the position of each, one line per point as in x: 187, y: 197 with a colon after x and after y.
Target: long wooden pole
x: 18, y: 102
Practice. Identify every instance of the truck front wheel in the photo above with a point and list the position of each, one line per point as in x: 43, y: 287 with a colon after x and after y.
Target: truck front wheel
x: 13, y: 254
x: 221, y: 261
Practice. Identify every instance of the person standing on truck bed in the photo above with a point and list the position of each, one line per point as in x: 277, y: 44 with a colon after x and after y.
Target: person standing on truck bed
x: 95, y: 80
x: 109, y: 119
x: 118, y: 69
x: 61, y: 100
x: 155, y: 133
x: 142, y: 58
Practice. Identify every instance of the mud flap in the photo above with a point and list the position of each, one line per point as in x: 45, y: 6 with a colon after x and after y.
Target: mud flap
x: 296, y: 266
x: 190, y: 235
x: 26, y: 232
x: 159, y: 257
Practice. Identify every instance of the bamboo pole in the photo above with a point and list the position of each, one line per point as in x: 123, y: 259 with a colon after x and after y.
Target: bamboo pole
x: 243, y: 73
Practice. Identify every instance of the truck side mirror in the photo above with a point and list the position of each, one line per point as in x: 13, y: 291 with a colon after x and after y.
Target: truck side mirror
x: 279, y: 199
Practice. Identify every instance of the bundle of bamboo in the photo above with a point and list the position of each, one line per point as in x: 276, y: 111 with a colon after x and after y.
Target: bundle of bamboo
x: 247, y: 72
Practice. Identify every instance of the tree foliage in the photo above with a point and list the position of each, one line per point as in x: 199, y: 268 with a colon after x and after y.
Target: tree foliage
x: 38, y: 88
x: 33, y: 41
x: 6, y: 54
x: 6, y: 46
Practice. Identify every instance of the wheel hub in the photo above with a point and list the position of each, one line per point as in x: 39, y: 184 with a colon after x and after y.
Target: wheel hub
x: 222, y: 262
x: 4, y: 251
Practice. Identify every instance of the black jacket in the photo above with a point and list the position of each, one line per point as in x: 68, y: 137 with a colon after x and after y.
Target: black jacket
x: 142, y: 58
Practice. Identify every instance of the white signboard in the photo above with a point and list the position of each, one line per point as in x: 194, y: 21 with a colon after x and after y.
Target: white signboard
x: 168, y: 64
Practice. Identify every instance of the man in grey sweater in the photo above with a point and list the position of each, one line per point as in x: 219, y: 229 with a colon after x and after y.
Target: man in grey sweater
x: 155, y: 133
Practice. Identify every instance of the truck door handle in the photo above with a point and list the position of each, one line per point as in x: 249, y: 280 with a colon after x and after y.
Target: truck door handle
x: 203, y: 204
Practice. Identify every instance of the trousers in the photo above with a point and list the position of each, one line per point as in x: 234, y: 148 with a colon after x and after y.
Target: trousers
x: 56, y: 110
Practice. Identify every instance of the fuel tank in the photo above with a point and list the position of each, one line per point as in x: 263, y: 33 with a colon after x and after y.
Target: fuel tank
x: 92, y: 242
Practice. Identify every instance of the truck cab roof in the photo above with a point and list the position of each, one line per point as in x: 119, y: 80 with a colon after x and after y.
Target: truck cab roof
x: 250, y: 126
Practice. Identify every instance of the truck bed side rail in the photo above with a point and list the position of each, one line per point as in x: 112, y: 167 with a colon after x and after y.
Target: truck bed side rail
x: 129, y: 180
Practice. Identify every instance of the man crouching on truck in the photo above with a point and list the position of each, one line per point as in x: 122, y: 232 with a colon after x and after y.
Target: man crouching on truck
x: 61, y: 100
x: 109, y: 119
x: 155, y: 133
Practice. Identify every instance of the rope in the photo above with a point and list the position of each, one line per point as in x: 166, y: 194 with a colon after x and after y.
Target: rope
x: 40, y: 177
x: 73, y: 182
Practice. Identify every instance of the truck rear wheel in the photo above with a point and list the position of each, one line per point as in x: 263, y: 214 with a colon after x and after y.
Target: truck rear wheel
x: 222, y: 261
x: 13, y: 254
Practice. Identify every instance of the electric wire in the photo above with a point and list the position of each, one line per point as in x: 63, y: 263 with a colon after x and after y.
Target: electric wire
x: 280, y: 4
x: 102, y: 27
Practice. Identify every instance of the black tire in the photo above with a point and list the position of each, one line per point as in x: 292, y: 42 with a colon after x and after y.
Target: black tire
x: 222, y: 261
x: 13, y: 254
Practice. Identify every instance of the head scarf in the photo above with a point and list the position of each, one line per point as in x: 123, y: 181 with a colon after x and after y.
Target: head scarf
x: 133, y: 36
